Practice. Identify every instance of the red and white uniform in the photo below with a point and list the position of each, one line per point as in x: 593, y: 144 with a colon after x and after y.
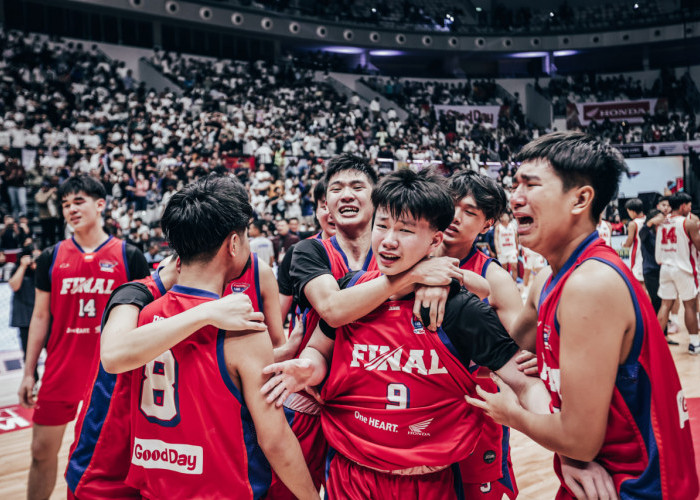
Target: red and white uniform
x: 488, y: 471
x: 508, y: 248
x: 648, y: 448
x: 674, y: 249
x: 533, y: 260
x: 636, y: 251
x: 605, y: 232
x: 81, y: 284
x: 99, y: 457
x: 193, y: 436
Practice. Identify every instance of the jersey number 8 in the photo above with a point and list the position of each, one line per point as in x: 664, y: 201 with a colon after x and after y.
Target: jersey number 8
x: 159, y: 401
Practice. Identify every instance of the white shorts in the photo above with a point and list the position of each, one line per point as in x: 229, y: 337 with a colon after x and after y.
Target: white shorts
x: 508, y: 258
x: 534, y: 261
x: 675, y: 283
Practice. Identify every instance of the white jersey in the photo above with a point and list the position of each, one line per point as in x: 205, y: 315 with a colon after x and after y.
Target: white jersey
x: 605, y: 232
x: 533, y: 260
x: 506, y: 239
x: 636, y: 252
x: 674, y: 246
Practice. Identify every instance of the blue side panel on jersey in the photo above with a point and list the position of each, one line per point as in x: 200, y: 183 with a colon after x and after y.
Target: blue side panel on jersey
x: 505, y: 445
x: 126, y: 262
x: 368, y: 260
x: 457, y: 482
x: 159, y: 282
x: 335, y: 244
x: 95, y: 416
x: 256, y: 273
x: 353, y: 281
x: 329, y: 458
x: 53, y: 259
x: 259, y: 471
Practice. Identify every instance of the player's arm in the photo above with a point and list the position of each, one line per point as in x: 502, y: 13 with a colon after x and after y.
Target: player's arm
x: 505, y: 297
x: 270, y: 304
x: 246, y: 355
x: 284, y: 282
x: 691, y: 227
x: 531, y: 392
x: 305, y: 372
x: 124, y: 348
x: 496, y: 239
x: 340, y: 307
x: 591, y: 350
x: 38, y: 331
x: 524, y: 328
x: 476, y: 284
x: 631, y: 232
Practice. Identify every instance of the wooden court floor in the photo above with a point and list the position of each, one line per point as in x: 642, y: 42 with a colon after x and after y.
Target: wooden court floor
x: 532, y: 463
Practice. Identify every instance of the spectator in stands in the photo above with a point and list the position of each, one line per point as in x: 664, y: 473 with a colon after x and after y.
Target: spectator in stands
x: 15, y: 176
x: 13, y: 234
x: 261, y: 244
x: 283, y: 240
x: 22, y: 285
x: 47, y: 204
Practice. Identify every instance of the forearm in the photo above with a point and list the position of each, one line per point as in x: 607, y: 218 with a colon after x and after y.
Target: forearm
x: 16, y: 280
x: 123, y: 348
x: 319, y: 364
x: 287, y: 460
x: 38, y: 331
x: 284, y: 352
x: 534, y: 396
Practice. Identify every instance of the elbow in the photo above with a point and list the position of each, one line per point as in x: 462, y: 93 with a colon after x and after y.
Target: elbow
x: 331, y: 315
x: 272, y: 441
x: 109, y: 364
x: 583, y: 446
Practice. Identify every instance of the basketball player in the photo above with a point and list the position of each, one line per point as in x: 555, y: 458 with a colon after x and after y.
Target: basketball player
x: 198, y: 419
x: 479, y: 202
x: 635, y: 210
x: 604, y: 231
x: 390, y: 376
x: 74, y: 280
x: 507, y: 244
x: 675, y: 240
x: 615, y: 394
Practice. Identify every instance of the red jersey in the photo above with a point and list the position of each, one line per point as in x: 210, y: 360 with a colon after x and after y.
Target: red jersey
x: 99, y: 457
x: 192, y: 434
x: 81, y: 284
x: 395, y: 393
x: 248, y: 283
x: 648, y: 448
x: 489, y: 461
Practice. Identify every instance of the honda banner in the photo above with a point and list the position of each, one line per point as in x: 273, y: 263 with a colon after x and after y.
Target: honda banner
x: 583, y: 113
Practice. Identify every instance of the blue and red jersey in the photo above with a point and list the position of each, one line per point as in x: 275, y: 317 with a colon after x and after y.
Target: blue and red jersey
x: 648, y: 448
x: 248, y: 283
x: 99, y: 456
x: 192, y: 433
x: 81, y: 283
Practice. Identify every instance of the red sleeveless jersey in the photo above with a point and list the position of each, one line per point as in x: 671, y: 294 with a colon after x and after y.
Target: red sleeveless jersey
x: 395, y: 393
x: 648, y: 448
x: 489, y: 461
x: 248, y: 283
x: 81, y: 284
x: 192, y: 434
x: 99, y: 457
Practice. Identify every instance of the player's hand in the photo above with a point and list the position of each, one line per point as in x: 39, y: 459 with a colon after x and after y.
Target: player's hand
x: 296, y: 336
x: 527, y: 363
x: 501, y: 406
x: 234, y: 313
x: 476, y: 284
x: 437, y: 271
x: 587, y: 480
x: 26, y: 392
x: 289, y: 377
x: 432, y: 299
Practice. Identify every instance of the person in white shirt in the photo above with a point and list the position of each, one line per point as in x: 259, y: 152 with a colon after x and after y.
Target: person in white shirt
x: 260, y: 244
x: 635, y: 210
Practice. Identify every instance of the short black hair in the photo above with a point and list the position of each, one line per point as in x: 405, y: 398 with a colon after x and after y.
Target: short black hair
x: 635, y: 204
x: 347, y: 161
x: 423, y: 195
x: 319, y: 192
x: 199, y: 218
x: 488, y: 195
x: 74, y: 185
x: 259, y: 224
x: 662, y: 198
x: 579, y: 159
x: 678, y: 199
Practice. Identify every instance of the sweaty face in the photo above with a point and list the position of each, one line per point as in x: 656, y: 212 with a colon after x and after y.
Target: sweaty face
x: 399, y: 244
x: 80, y: 210
x: 469, y: 221
x: 349, y: 199
x: 540, y: 206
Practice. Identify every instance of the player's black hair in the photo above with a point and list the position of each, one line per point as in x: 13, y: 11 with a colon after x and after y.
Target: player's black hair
x: 662, y: 198
x: 423, y: 195
x: 579, y: 159
x: 259, y: 224
x: 82, y: 183
x: 635, y: 204
x: 200, y: 217
x: 678, y: 199
x: 488, y: 195
x: 347, y: 161
x: 319, y: 192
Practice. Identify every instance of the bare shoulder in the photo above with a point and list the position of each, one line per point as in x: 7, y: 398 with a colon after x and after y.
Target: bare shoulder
x: 246, y: 347
x: 537, y: 284
x: 598, y: 286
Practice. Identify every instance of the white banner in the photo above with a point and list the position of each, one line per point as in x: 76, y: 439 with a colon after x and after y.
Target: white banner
x: 670, y: 148
x: 472, y: 114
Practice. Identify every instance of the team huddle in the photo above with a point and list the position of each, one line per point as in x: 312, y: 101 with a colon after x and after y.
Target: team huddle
x: 405, y: 368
